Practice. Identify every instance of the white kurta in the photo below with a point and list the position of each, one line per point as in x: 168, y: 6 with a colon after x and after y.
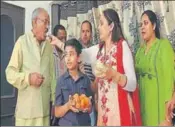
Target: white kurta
x: 89, y: 56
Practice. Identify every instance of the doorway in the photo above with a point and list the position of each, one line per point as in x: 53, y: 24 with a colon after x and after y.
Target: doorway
x: 12, y: 26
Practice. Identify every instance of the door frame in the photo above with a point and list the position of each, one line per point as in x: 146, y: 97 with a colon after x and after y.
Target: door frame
x: 19, y: 29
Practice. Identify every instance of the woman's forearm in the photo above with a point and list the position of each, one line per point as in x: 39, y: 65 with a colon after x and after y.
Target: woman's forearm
x: 94, y: 86
x: 120, y: 79
x: 60, y: 45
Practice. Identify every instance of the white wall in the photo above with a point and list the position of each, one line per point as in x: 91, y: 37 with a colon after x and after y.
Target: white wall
x: 29, y: 7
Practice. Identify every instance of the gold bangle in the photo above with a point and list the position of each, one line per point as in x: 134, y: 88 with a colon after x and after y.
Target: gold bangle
x: 121, y: 76
x: 126, y: 80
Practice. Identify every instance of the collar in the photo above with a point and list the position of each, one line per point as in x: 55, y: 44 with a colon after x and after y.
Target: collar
x: 153, y: 42
x: 31, y: 34
x: 67, y: 75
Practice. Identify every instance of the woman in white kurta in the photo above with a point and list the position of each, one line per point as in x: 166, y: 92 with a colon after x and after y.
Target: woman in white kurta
x: 115, y: 74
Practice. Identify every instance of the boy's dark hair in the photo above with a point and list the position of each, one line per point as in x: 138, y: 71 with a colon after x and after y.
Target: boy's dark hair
x: 74, y: 43
x: 56, y: 28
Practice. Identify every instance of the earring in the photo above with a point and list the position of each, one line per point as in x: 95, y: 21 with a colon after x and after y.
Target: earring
x: 154, y: 28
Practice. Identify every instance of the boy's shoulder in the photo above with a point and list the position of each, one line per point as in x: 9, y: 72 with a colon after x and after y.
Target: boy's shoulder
x: 63, y: 76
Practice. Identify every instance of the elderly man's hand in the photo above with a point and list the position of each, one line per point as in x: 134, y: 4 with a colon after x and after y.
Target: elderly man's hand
x: 36, y: 79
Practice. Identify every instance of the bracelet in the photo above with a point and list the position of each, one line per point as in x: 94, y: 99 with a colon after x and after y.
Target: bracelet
x: 121, y: 77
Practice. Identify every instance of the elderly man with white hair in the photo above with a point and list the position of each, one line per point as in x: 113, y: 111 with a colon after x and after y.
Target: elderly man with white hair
x: 31, y: 71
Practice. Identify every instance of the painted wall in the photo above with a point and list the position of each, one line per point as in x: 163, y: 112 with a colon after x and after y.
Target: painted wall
x: 29, y: 7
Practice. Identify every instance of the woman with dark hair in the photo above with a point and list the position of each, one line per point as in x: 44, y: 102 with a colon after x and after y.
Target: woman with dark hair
x: 115, y: 74
x: 155, y: 71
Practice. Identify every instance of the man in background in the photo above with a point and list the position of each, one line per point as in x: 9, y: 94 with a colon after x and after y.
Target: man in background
x: 86, y: 41
x: 86, y: 34
x: 59, y: 31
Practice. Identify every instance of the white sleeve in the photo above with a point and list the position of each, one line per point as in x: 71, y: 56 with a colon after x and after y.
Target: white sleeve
x: 129, y: 69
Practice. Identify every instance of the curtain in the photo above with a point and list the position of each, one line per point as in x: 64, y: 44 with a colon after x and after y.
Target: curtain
x: 73, y: 13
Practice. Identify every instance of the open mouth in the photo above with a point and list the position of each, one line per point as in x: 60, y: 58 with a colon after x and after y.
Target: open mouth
x: 46, y: 32
x: 143, y: 33
x: 69, y: 64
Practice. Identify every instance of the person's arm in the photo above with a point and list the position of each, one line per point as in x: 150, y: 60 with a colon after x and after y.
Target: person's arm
x: 166, y: 72
x: 90, y: 94
x: 60, y: 108
x: 96, y: 101
x: 14, y: 75
x: 56, y: 42
x: 60, y: 111
x: 127, y: 80
x: 94, y: 86
x: 53, y: 78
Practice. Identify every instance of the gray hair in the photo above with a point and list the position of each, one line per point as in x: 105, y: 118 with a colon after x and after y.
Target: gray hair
x: 36, y: 12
